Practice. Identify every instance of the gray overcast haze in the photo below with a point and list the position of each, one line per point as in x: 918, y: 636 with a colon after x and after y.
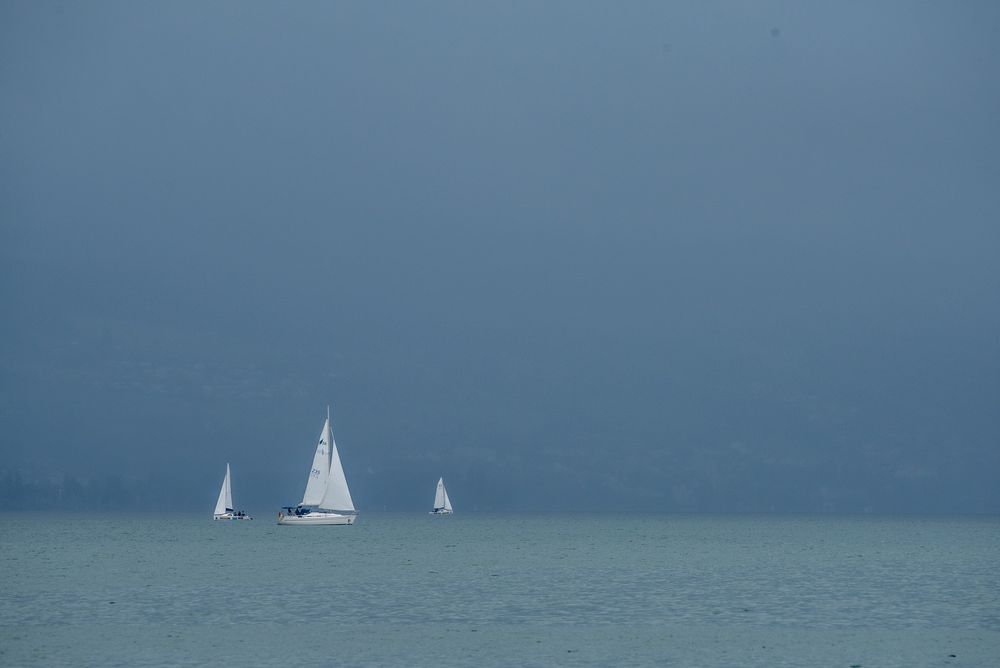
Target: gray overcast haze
x: 735, y: 256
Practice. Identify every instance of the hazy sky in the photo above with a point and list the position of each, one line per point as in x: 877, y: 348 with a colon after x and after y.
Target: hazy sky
x: 661, y: 256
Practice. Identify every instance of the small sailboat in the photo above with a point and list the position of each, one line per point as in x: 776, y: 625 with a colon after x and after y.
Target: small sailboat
x: 224, y: 506
x: 327, y: 499
x: 442, y: 504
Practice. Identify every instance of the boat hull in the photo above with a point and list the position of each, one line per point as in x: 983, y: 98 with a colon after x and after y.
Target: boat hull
x: 316, y: 519
x: 440, y: 512
x: 227, y: 517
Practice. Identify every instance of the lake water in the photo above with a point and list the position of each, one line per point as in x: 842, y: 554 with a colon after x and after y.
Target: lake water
x: 497, y: 590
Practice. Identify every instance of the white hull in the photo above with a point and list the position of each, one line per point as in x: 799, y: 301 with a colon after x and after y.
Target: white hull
x: 318, y: 519
x: 230, y: 516
x: 440, y: 512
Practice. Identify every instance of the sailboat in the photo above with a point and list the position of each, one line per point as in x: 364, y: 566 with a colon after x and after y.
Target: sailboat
x: 224, y: 506
x: 327, y: 499
x: 442, y: 504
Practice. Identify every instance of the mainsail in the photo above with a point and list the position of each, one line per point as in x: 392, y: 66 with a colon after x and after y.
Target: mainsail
x: 337, y: 496
x: 225, y: 502
x: 319, y: 474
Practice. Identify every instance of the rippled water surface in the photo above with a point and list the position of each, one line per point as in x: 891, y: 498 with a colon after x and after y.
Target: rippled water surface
x: 501, y: 590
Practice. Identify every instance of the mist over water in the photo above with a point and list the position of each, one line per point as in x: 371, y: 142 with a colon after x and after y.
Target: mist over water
x: 573, y: 256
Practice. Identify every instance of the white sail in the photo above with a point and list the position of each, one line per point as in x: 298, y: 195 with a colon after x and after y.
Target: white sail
x: 439, y: 495
x: 225, y: 502
x: 319, y: 474
x: 441, y: 500
x: 337, y: 496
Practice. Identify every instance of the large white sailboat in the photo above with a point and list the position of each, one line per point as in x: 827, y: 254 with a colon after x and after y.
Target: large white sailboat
x: 442, y: 504
x: 224, y: 506
x: 327, y: 499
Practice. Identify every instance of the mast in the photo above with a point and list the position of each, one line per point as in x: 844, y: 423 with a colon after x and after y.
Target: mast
x: 229, y: 490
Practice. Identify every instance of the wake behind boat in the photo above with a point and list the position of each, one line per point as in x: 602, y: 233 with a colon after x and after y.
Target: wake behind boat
x: 442, y: 504
x: 224, y: 506
x: 327, y: 499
